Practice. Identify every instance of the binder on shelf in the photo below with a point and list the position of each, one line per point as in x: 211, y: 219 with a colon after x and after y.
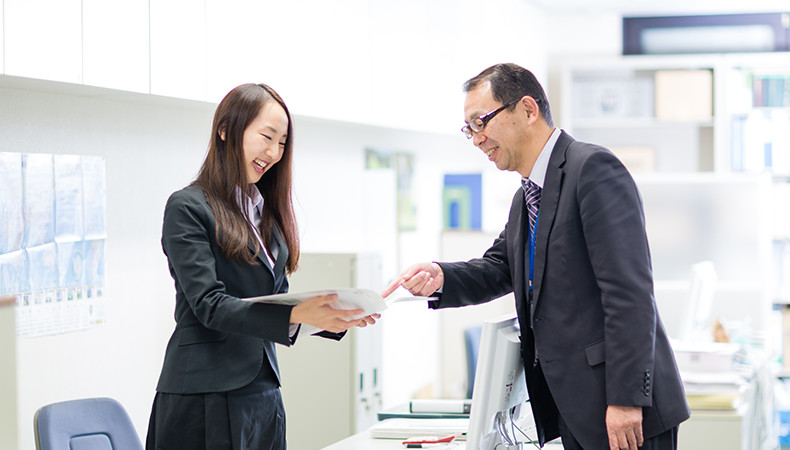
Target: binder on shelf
x: 770, y: 91
x: 404, y: 411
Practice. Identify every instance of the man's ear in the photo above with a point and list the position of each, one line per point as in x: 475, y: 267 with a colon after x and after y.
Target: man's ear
x: 531, y: 107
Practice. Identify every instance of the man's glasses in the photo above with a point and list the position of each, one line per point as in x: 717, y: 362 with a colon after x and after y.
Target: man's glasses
x: 478, y: 123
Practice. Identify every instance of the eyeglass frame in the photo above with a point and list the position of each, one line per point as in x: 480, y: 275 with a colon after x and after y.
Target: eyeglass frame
x: 485, y: 118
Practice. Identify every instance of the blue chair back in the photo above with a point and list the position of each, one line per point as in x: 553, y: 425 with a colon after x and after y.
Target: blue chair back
x: 85, y: 424
x: 472, y: 343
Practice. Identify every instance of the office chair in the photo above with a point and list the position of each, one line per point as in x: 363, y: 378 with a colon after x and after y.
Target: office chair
x: 472, y: 342
x: 85, y: 424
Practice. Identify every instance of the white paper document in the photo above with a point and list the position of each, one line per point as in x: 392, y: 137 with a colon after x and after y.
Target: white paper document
x: 364, y: 299
x: 352, y: 298
x: 401, y: 294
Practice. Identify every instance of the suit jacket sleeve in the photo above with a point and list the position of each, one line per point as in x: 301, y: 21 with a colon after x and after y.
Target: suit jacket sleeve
x: 614, y: 231
x: 476, y: 281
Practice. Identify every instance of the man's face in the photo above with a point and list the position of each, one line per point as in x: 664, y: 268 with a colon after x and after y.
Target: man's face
x: 502, y: 138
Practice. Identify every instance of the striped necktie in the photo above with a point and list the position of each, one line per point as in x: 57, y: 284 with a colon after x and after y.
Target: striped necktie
x: 532, y: 197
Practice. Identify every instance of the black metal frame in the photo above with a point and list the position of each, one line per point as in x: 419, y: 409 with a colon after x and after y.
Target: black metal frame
x: 633, y: 27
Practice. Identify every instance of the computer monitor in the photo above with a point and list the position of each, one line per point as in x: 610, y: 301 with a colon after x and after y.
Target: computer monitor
x: 500, y: 387
x: 698, y: 324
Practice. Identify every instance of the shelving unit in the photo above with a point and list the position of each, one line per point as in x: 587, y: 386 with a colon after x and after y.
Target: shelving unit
x: 722, y: 113
x: 722, y: 116
x: 623, y: 94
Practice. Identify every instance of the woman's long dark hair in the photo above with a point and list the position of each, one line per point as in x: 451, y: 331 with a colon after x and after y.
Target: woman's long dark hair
x: 224, y: 170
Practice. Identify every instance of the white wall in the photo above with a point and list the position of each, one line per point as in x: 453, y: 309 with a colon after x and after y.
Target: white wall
x: 394, y: 67
x: 153, y: 146
x: 9, y: 434
x: 365, y: 61
x: 391, y: 67
x: 394, y: 64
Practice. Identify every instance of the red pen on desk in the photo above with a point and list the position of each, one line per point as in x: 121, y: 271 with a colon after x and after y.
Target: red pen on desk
x: 428, y: 441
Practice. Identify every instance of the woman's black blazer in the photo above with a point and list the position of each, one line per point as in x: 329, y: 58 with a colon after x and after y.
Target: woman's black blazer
x: 220, y: 342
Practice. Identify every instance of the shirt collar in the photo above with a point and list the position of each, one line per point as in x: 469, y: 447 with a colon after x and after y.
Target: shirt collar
x: 251, y: 202
x: 538, y: 174
x: 256, y: 200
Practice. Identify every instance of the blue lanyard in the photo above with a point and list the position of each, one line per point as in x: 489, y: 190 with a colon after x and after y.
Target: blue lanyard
x: 532, y: 249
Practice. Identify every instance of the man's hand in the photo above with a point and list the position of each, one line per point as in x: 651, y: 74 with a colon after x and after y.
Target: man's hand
x: 422, y: 279
x: 624, y: 427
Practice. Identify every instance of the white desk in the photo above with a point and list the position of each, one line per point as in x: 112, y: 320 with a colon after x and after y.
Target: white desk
x: 363, y: 441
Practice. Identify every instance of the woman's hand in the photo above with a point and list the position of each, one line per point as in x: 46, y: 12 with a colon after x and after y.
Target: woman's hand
x: 368, y: 320
x: 319, y: 313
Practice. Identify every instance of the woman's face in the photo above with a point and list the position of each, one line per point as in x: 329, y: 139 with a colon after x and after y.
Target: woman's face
x: 264, y: 140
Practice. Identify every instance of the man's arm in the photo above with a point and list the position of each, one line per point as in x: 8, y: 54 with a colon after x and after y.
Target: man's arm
x: 614, y: 229
x: 462, y: 283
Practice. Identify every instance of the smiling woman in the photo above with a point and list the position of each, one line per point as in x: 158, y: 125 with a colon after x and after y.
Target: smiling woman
x: 264, y: 140
x: 250, y: 137
x: 231, y: 235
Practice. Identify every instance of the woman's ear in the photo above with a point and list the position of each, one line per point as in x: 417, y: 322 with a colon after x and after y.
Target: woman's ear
x: 221, y: 132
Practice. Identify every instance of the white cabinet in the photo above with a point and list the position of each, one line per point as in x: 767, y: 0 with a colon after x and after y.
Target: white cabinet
x: 9, y: 422
x: 714, y: 430
x: 332, y: 389
x: 248, y: 54
x: 2, y: 37
x: 178, y: 49
x: 115, y: 44
x: 43, y: 39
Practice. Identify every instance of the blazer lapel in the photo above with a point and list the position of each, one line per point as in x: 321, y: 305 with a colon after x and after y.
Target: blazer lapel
x: 550, y: 197
x: 277, y: 250
x: 262, y: 258
x: 517, y: 229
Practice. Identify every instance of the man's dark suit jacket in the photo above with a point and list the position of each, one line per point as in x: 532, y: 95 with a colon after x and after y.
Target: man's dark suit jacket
x: 220, y: 342
x: 597, y: 332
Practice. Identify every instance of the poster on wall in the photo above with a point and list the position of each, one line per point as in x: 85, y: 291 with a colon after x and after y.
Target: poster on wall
x: 462, y: 201
x: 52, y: 240
x: 403, y: 163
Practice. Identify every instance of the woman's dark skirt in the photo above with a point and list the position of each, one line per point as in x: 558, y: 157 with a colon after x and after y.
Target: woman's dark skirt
x: 250, y: 418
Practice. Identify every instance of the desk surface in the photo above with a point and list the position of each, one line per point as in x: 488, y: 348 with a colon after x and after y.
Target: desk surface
x: 363, y: 441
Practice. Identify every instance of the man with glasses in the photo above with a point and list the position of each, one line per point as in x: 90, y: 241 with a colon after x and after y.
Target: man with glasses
x: 600, y: 370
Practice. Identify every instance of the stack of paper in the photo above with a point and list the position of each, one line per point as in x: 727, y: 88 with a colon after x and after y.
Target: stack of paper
x: 709, y: 375
x: 406, y: 428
